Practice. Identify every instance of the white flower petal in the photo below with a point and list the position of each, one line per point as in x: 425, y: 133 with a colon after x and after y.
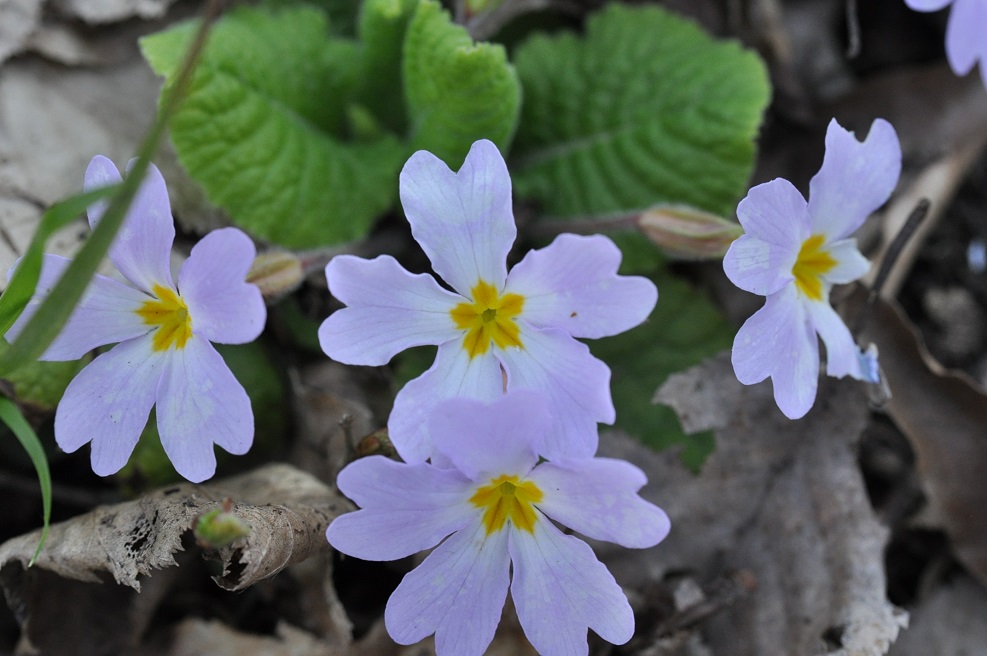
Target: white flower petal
x: 108, y: 402
x: 598, y: 498
x: 106, y: 314
x: 560, y: 589
x: 200, y: 402
x: 778, y: 341
x: 856, y: 178
x: 463, y: 221
x: 453, y: 374
x: 405, y: 508
x: 388, y: 310
x: 850, y: 263
x: 572, y: 284
x: 842, y: 355
x: 457, y: 593
x: 577, y: 386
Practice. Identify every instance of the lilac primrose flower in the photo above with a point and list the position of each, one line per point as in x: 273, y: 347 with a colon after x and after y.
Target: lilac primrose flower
x: 794, y: 252
x: 164, y: 355
x: 496, y: 329
x: 491, y: 510
x: 966, y: 33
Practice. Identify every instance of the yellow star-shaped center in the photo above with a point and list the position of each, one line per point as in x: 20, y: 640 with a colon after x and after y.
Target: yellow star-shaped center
x: 488, y: 319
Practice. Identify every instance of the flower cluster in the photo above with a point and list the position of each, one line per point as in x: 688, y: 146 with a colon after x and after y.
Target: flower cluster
x: 163, y: 331
x: 510, y: 385
x: 966, y: 33
x: 794, y: 251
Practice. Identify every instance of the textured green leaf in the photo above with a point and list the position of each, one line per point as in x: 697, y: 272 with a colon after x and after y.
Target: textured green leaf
x: 262, y: 127
x: 683, y: 330
x: 456, y: 91
x: 645, y: 108
x: 11, y: 415
x: 382, y: 28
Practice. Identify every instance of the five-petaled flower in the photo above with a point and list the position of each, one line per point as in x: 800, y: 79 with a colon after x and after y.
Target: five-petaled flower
x: 966, y: 33
x: 793, y: 252
x: 496, y: 329
x: 492, y: 509
x: 164, y: 330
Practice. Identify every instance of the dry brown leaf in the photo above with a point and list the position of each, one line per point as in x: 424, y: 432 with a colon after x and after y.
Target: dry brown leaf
x: 953, y: 620
x: 944, y: 416
x: 195, y: 637
x: 288, y: 511
x: 780, y: 499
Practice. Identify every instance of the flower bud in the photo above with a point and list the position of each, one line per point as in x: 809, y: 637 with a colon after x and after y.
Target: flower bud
x: 687, y: 233
x: 276, y: 273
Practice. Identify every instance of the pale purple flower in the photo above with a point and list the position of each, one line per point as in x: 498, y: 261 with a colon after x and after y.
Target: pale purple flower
x: 793, y: 252
x: 493, y: 510
x: 966, y: 33
x: 495, y: 329
x: 164, y: 355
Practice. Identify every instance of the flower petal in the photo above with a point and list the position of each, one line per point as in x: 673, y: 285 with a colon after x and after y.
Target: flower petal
x: 457, y: 593
x: 389, y: 310
x: 778, y: 341
x: 142, y: 248
x: 200, y: 402
x: 106, y: 314
x: 572, y: 284
x: 453, y: 374
x: 966, y: 37
x: 560, y: 589
x: 850, y: 264
x: 212, y: 281
x: 775, y: 212
x: 577, y: 386
x: 598, y: 498
x: 465, y: 430
x: 405, y: 508
x: 927, y: 5
x: 842, y: 355
x: 109, y: 402
x: 856, y: 178
x: 463, y: 221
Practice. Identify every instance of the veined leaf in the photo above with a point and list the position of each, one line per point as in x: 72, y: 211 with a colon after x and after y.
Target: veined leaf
x: 262, y: 127
x: 382, y: 28
x: 645, y: 108
x: 457, y: 91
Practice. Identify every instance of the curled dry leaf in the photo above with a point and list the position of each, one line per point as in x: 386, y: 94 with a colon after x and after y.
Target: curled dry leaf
x: 18, y: 20
x: 195, y: 637
x: 110, y: 11
x: 944, y: 415
x: 287, y: 510
x: 781, y: 501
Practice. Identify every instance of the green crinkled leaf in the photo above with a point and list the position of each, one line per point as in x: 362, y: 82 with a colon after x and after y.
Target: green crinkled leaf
x: 382, y: 28
x: 645, y: 108
x: 262, y: 126
x: 684, y: 329
x: 456, y: 91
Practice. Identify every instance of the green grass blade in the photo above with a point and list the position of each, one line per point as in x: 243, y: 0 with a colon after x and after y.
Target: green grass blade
x: 11, y: 415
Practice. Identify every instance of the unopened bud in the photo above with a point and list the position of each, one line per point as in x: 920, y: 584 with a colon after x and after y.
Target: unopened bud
x: 377, y: 443
x: 687, y: 233
x: 220, y: 527
x: 277, y: 273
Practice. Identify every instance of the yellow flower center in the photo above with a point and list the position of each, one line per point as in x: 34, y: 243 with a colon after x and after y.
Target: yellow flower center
x: 169, y: 314
x: 811, y: 264
x: 506, y: 498
x: 489, y: 318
